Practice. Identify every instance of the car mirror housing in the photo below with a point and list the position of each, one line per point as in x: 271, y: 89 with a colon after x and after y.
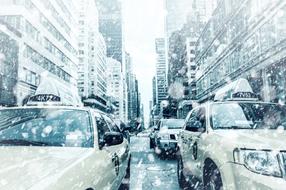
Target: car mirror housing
x: 113, y: 138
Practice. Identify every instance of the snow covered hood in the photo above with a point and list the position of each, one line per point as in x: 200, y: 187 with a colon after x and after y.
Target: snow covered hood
x: 23, y: 167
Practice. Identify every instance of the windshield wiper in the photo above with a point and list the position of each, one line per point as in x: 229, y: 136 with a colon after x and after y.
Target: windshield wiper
x: 23, y: 142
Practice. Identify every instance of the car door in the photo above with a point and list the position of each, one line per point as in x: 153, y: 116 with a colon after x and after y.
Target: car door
x: 182, y: 139
x: 121, y: 151
x: 196, y: 149
x: 106, y: 175
x: 187, y: 137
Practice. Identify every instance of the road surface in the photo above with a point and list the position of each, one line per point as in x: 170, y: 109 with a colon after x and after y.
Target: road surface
x: 147, y: 171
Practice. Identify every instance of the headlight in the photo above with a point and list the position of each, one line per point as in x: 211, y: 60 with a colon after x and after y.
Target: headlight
x: 262, y: 162
x: 164, y: 136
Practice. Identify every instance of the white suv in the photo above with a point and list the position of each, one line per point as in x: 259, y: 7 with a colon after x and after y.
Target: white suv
x: 235, y: 142
x: 49, y: 145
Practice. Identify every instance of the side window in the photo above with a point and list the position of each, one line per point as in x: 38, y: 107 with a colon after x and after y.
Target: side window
x: 201, y: 116
x: 102, y: 127
x: 197, y: 120
x: 112, y: 124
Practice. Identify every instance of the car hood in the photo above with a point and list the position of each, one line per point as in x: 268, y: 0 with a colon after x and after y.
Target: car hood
x: 253, y: 139
x: 23, y: 167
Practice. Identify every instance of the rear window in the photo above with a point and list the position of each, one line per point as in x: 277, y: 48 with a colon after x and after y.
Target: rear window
x: 173, y: 123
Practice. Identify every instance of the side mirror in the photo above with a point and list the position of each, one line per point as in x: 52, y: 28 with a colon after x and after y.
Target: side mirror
x: 112, y: 138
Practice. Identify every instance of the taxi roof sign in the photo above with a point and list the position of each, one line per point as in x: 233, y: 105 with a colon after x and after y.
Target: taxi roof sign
x: 51, y: 92
x: 237, y: 90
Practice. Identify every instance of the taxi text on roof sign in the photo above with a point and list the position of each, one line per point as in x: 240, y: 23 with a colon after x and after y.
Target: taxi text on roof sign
x: 237, y: 90
x: 52, y: 92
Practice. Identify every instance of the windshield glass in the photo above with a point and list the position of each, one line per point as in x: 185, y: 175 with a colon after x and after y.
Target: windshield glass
x: 247, y: 116
x: 173, y: 123
x: 45, y: 127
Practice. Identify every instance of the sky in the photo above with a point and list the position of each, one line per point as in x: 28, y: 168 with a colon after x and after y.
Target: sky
x: 143, y: 22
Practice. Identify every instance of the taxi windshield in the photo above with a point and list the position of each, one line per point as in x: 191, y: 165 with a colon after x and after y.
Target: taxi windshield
x: 45, y: 127
x: 235, y: 115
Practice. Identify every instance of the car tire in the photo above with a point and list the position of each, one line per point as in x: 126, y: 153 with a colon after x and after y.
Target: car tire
x: 180, y: 173
x: 212, y: 178
x: 126, y: 180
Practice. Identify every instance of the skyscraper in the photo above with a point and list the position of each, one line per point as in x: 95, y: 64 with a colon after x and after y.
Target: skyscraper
x: 115, y: 86
x: 154, y: 90
x: 110, y: 25
x: 177, y: 12
x: 161, y: 71
x: 47, y: 42
x: 92, y: 53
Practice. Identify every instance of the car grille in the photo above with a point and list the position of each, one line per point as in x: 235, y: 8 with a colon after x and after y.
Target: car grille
x: 172, y: 136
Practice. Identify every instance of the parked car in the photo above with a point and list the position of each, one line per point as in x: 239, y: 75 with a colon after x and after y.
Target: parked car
x: 235, y: 142
x: 166, y: 138
x: 53, y: 146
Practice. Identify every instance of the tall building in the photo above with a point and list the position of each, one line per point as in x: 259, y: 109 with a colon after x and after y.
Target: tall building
x: 99, y: 67
x: 181, y: 48
x: 131, y: 86
x: 203, y: 9
x: 115, y: 86
x: 161, y: 71
x: 154, y: 91
x: 92, y: 53
x: 110, y: 25
x: 46, y: 39
x: 138, y: 99
x: 9, y: 63
x: 177, y: 12
x: 236, y: 44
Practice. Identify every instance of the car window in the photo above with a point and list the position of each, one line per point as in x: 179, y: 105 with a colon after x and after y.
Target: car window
x: 201, y: 116
x: 197, y: 119
x: 112, y: 125
x: 49, y: 127
x: 102, y: 127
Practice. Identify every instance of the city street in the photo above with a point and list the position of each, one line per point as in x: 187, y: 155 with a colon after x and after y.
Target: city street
x: 148, y: 171
x: 88, y: 87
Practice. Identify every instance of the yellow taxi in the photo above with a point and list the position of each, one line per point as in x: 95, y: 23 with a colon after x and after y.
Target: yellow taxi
x: 235, y: 142
x: 49, y: 145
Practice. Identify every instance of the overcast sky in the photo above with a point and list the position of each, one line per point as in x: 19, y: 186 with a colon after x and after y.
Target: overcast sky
x: 143, y: 22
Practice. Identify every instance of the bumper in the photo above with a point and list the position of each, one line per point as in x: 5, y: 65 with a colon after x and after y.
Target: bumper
x: 167, y: 145
x: 238, y: 177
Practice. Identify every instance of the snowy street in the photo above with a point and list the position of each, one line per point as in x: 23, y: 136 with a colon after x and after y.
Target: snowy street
x: 148, y: 171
